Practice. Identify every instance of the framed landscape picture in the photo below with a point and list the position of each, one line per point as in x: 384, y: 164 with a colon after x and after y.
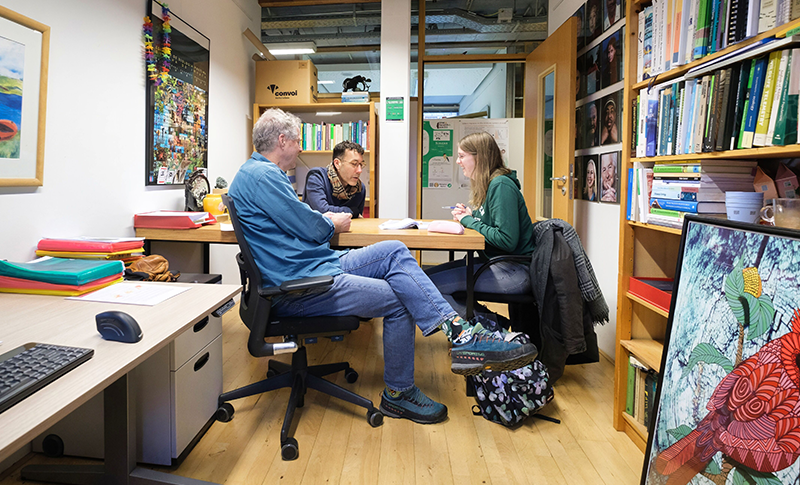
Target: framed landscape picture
x: 177, y: 101
x: 727, y: 405
x: 24, y: 56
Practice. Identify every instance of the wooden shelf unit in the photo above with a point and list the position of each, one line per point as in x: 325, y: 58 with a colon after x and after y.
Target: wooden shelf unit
x: 651, y: 250
x: 337, y: 113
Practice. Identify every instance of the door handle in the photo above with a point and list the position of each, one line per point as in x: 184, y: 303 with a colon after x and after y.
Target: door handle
x: 562, y: 179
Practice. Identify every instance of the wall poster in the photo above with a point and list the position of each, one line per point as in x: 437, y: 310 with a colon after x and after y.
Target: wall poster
x: 437, y: 150
x: 177, y: 60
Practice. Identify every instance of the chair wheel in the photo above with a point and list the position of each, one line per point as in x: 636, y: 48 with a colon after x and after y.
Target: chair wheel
x: 350, y: 375
x: 375, y: 418
x: 289, y: 450
x: 271, y: 373
x: 224, y: 413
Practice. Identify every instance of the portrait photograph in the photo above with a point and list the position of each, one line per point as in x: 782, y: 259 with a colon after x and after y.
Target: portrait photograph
x: 612, y: 13
x: 725, y: 408
x: 611, y: 59
x: 610, y: 111
x: 579, y: 123
x: 593, y: 22
x: 579, y: 14
x: 590, y: 170
x: 579, y: 180
x: 609, y: 178
x: 591, y: 131
x: 580, y: 89
x: 591, y: 66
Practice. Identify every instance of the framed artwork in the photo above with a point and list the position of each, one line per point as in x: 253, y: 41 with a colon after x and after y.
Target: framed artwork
x: 579, y: 123
x: 593, y: 22
x: 726, y: 405
x: 24, y: 57
x: 610, y: 111
x: 177, y: 99
x: 612, y: 12
x: 591, y: 115
x: 609, y: 177
x: 590, y: 191
x: 580, y: 178
x: 581, y: 29
x: 611, y: 59
x: 591, y: 68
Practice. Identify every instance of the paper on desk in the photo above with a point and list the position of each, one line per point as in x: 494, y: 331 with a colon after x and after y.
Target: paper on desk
x: 130, y: 293
x: 407, y: 223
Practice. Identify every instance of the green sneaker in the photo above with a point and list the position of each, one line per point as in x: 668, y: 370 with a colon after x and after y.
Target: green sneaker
x: 413, y: 404
x: 487, y: 350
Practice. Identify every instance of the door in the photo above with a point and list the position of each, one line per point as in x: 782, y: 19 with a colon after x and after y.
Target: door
x: 550, y: 125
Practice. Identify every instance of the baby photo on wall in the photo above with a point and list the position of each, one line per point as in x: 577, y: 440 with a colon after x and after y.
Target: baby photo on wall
x: 610, y: 110
x: 609, y: 177
x: 611, y: 59
x: 590, y: 178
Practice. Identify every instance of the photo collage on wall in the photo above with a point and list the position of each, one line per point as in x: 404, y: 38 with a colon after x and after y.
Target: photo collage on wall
x: 599, y: 100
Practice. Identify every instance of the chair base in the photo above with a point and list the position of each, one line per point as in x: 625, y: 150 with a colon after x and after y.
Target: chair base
x: 299, y: 376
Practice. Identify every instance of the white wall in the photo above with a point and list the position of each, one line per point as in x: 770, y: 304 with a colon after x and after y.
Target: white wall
x: 490, y: 92
x: 95, y: 135
x: 596, y: 224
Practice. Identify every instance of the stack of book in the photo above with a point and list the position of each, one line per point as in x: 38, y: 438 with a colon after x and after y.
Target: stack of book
x: 325, y: 136
x: 664, y: 192
x: 753, y: 103
x: 641, y: 391
x: 676, y: 32
x: 59, y: 276
x: 126, y: 250
x: 355, y: 97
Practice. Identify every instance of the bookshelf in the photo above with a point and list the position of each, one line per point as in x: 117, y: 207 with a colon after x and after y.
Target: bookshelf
x: 334, y: 113
x: 649, y: 250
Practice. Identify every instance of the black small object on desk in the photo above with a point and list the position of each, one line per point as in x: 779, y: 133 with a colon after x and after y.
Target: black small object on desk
x: 118, y: 326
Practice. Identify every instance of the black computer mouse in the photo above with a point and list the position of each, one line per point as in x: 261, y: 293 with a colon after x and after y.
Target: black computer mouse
x: 118, y: 326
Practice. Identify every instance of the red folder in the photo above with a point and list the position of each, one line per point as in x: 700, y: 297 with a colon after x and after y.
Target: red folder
x: 657, y: 291
x: 172, y: 220
x: 87, y: 245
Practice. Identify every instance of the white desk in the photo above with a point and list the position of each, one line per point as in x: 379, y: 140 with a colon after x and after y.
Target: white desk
x: 50, y: 319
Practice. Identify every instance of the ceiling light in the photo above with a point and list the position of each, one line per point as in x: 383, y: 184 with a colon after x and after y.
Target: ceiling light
x: 292, y: 48
x: 324, y: 82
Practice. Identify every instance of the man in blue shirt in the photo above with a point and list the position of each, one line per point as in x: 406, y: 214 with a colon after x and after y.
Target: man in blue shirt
x: 289, y: 240
x: 338, y: 187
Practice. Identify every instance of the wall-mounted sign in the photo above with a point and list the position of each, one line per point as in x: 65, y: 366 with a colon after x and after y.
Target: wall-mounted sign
x: 394, y: 109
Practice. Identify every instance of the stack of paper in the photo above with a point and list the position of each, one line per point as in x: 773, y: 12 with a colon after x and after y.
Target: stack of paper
x: 172, y: 219
x: 59, y: 276
x: 126, y: 250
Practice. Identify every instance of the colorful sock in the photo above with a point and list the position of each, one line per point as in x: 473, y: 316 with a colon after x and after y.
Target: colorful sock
x: 392, y: 393
x: 457, y: 330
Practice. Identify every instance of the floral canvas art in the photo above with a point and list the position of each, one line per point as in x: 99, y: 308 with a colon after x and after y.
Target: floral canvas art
x: 728, y: 402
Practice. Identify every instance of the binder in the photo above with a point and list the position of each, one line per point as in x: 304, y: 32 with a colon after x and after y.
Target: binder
x: 91, y: 255
x: 62, y: 271
x: 90, y: 245
x: 172, y: 219
x: 17, y: 285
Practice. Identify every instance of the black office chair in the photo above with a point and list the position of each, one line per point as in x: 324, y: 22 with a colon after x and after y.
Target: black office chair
x: 254, y: 309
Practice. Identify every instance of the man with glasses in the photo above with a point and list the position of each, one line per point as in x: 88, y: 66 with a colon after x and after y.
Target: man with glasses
x: 338, y: 187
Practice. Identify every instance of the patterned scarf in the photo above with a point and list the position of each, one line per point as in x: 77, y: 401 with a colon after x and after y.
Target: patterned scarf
x: 340, y: 190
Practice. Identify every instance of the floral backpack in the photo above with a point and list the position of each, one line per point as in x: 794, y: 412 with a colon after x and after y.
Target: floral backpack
x: 508, y: 397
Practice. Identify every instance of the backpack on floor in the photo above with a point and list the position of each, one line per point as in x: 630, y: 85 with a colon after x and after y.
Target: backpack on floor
x: 508, y: 397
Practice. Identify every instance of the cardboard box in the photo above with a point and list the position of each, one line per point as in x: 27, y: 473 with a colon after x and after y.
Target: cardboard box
x: 286, y: 82
x: 786, y: 182
x: 763, y: 183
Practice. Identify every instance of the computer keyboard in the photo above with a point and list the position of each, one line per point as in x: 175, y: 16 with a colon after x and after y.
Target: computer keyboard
x: 32, y: 366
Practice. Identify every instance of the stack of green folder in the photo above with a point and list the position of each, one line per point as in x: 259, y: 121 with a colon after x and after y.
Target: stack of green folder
x: 59, y: 276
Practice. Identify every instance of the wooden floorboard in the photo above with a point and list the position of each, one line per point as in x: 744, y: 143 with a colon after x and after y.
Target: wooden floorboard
x: 338, y: 446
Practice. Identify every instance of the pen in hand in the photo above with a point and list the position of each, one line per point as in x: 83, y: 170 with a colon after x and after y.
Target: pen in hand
x: 448, y: 207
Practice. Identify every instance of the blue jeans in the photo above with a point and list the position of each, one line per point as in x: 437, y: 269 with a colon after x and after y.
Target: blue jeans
x: 508, y: 277
x: 381, y: 280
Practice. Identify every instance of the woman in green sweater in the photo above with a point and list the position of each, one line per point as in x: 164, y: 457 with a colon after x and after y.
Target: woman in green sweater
x: 500, y: 214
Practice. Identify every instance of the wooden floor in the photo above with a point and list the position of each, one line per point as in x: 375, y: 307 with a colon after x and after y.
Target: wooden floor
x: 337, y: 445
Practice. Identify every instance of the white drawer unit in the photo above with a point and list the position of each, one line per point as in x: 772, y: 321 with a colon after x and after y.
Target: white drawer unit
x: 176, y: 393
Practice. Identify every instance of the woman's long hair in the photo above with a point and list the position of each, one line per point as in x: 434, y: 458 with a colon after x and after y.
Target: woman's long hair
x: 488, y: 164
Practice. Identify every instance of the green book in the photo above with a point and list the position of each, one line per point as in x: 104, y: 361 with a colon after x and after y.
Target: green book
x: 765, y: 107
x: 778, y: 138
x: 62, y: 271
x: 630, y: 389
x: 666, y: 212
x: 694, y: 168
x: 746, y: 103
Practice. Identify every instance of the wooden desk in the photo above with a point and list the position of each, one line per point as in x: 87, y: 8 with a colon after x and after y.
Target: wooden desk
x: 55, y: 320
x: 363, y: 232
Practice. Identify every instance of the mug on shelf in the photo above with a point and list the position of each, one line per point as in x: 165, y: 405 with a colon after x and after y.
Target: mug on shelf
x: 785, y: 212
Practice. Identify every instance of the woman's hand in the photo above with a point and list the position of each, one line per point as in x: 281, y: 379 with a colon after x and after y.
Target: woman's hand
x: 460, y: 211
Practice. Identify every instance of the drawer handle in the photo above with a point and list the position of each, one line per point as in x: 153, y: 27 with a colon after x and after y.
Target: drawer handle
x: 200, y: 325
x: 201, y: 362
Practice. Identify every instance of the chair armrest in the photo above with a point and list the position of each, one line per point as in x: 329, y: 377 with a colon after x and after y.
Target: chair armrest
x: 497, y: 259
x: 293, y: 286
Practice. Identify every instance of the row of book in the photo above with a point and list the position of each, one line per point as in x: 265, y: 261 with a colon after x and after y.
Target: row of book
x: 325, y: 136
x: 641, y: 391
x: 676, y: 32
x: 663, y: 192
x: 750, y: 104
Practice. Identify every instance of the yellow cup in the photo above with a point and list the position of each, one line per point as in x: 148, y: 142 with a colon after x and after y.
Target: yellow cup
x: 212, y: 203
